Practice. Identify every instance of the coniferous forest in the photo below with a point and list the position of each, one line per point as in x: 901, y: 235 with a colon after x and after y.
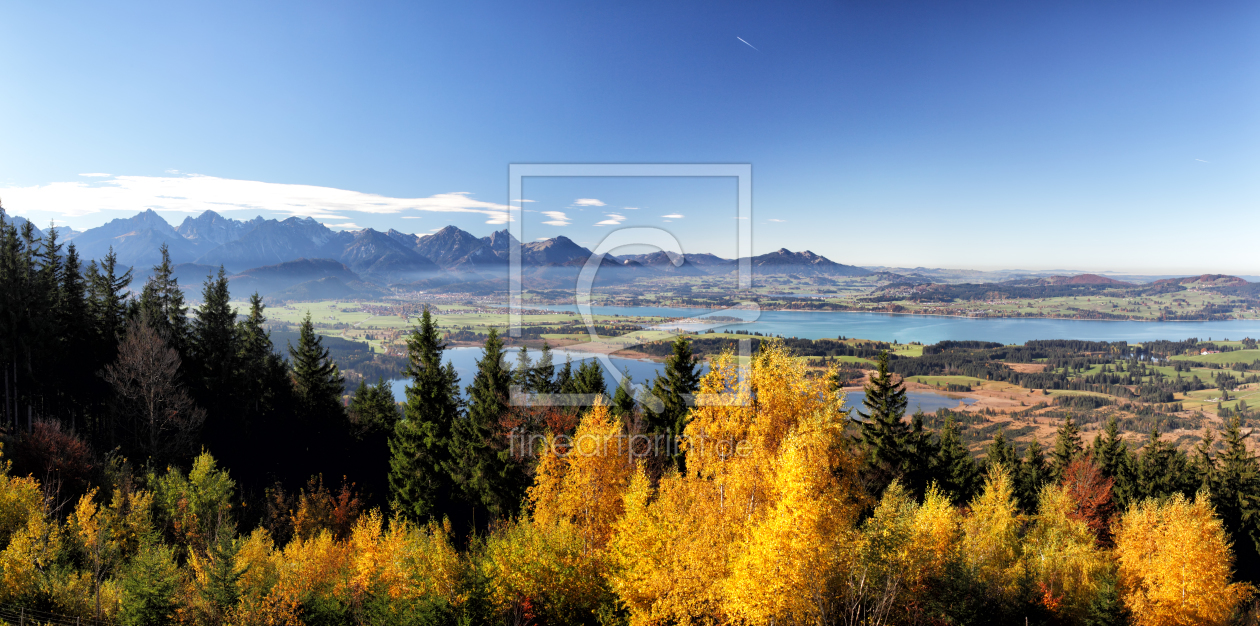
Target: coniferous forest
x: 165, y: 463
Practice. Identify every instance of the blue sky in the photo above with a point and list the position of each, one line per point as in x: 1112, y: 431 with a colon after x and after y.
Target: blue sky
x: 1090, y: 135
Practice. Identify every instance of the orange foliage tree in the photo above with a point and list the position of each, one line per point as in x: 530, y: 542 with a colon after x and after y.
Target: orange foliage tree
x: 1175, y: 564
x: 753, y: 532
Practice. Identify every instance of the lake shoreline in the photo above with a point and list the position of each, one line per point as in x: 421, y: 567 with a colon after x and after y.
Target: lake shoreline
x: 914, y: 314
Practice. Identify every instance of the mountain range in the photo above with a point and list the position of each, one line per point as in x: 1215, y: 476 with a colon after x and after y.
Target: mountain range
x: 300, y: 257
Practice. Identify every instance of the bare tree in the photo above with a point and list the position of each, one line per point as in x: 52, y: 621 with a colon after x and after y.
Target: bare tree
x: 157, y: 417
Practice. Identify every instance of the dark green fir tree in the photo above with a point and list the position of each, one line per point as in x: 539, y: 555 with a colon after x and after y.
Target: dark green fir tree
x: 674, y: 392
x: 883, y: 435
x: 420, y: 485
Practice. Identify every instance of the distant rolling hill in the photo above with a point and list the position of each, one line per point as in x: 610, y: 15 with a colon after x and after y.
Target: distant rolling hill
x: 274, y: 278
x: 1084, y: 279
x: 328, y: 288
x: 784, y: 261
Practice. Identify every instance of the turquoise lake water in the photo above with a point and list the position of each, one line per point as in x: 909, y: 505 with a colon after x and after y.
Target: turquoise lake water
x: 929, y: 329
x: 888, y: 327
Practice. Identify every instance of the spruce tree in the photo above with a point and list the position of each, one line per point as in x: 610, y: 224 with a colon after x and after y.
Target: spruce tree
x: 107, y: 292
x: 220, y: 590
x: 46, y: 304
x: 420, y: 485
x: 1067, y: 446
x: 623, y: 402
x: 1236, y: 496
x: 674, y: 390
x: 480, y: 458
x: 162, y: 304
x: 75, y: 320
x: 544, y: 371
x: 372, y: 408
x: 317, y: 383
x: 76, y: 365
x: 563, y: 382
x: 1032, y: 477
x: 214, y: 347
x: 321, y: 438
x: 264, y: 381
x: 883, y: 435
x: 1002, y: 453
x: 1109, y: 449
x: 956, y: 471
x: 918, y: 470
x: 522, y: 374
x: 1204, y: 462
x: 1107, y: 608
x: 1163, y: 470
x: 590, y: 379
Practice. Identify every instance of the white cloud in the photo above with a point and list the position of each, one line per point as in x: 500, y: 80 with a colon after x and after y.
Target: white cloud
x: 587, y: 202
x: 558, y: 218
x: 194, y: 193
x: 672, y: 216
x: 345, y: 226
x: 95, y: 175
x: 774, y: 220
x: 632, y: 208
x: 613, y: 220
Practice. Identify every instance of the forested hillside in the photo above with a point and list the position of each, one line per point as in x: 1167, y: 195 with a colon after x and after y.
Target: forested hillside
x: 166, y: 465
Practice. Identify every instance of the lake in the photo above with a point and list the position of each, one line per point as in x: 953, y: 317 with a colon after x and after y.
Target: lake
x: 465, y: 362
x: 929, y: 329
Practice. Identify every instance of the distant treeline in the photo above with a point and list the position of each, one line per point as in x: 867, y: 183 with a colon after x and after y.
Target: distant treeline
x: 1023, y: 290
x: 354, y: 358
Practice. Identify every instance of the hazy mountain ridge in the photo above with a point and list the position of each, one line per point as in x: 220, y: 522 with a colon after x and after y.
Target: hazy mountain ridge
x: 277, y: 256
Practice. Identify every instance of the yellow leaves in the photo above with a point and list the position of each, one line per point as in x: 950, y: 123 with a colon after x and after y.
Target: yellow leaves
x: 437, y: 568
x: 637, y: 536
x: 991, y: 541
x: 402, y: 562
x: 20, y: 498
x: 130, y: 517
x: 756, y: 527
x: 936, y: 535
x: 794, y: 550
x: 25, y: 562
x: 671, y: 552
x: 584, y: 483
x: 1175, y: 564
x: 29, y: 539
x: 396, y: 561
x: 306, y: 568
x: 541, y: 571
x: 85, y: 523
x: 1061, y: 554
x: 256, y: 561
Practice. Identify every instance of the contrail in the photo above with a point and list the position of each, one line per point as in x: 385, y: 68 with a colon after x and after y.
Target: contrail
x: 748, y: 44
x: 1202, y: 161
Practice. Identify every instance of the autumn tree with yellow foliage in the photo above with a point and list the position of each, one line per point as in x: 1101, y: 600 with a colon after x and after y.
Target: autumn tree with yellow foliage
x: 754, y: 531
x: 1175, y: 564
x: 768, y: 524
